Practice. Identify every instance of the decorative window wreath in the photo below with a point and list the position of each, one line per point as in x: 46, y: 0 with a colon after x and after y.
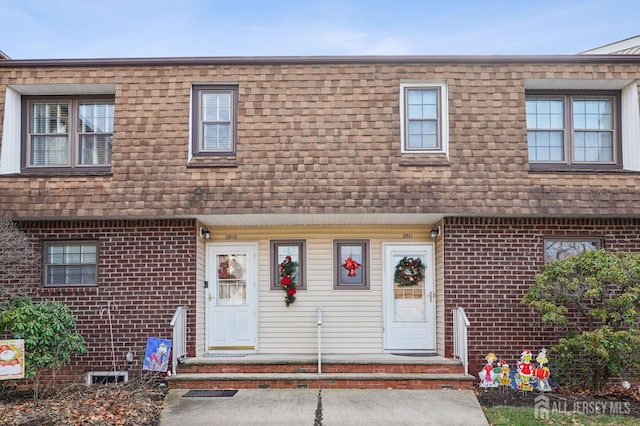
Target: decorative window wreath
x: 287, y: 279
x: 409, y: 271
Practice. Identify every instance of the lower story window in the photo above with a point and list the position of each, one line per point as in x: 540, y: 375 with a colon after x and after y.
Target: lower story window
x: 295, y: 249
x: 70, y: 263
x: 351, y: 268
x: 561, y: 248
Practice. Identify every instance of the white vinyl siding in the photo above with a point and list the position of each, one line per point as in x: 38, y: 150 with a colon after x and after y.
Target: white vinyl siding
x: 440, y: 313
x: 352, y: 319
x: 200, y: 310
x: 630, y: 127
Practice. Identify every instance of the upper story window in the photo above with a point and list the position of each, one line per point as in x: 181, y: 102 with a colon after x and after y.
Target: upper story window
x: 424, y: 117
x: 214, y: 120
x: 70, y: 263
x: 573, y: 130
x: 67, y: 133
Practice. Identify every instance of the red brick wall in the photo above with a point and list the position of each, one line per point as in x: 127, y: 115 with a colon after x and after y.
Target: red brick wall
x: 491, y: 262
x: 146, y: 267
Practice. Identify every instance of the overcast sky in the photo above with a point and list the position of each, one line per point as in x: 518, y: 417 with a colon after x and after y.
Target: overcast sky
x: 38, y: 29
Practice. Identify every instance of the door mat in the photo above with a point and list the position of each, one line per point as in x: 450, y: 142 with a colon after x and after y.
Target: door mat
x: 210, y: 393
x: 417, y: 354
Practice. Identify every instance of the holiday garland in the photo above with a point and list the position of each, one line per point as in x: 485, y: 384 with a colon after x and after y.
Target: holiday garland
x: 409, y: 271
x: 287, y: 279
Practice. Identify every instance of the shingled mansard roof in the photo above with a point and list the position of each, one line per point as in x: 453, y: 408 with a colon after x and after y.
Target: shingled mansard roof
x: 628, y: 46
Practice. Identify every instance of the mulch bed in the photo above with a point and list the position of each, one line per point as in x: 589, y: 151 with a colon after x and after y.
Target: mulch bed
x: 140, y: 402
x: 613, y: 400
x: 133, y: 403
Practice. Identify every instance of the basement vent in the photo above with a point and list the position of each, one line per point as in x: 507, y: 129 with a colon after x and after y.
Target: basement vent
x: 210, y: 393
x: 104, y: 377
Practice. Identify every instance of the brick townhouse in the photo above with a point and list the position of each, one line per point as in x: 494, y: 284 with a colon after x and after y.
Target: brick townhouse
x: 148, y: 184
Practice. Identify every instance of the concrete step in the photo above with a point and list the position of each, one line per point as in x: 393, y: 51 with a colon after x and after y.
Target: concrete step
x: 382, y: 363
x: 324, y: 380
x: 197, y: 367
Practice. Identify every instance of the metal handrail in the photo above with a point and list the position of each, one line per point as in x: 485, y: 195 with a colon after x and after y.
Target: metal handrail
x: 319, y: 324
x: 460, y: 337
x: 179, y: 334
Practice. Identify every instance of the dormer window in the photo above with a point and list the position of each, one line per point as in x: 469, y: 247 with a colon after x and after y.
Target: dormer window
x: 573, y: 130
x: 214, y: 120
x: 424, y: 117
x: 72, y: 134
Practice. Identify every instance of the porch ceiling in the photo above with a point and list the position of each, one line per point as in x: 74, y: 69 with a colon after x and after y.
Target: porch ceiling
x: 319, y: 219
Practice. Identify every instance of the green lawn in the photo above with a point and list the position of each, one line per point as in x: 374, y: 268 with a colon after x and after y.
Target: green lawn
x: 525, y: 416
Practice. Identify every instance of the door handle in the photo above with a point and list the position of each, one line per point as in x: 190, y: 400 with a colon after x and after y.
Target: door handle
x: 430, y: 296
x: 209, y: 297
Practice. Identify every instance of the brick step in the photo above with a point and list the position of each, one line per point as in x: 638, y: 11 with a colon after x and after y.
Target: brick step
x: 325, y: 380
x: 208, y: 367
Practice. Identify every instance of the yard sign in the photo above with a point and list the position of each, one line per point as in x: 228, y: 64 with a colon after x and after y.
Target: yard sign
x: 11, y: 359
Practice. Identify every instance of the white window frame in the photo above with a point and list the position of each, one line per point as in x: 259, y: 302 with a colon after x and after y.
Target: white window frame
x: 443, y: 119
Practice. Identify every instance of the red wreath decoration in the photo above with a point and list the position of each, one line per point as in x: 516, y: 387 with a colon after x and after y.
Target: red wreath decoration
x: 287, y: 279
x: 351, y: 266
x: 223, y: 270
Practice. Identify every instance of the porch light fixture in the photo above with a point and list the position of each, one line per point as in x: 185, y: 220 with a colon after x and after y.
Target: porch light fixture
x: 205, y: 233
x: 434, y: 232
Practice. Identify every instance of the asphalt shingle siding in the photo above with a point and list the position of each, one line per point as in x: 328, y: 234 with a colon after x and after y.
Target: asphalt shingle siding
x: 318, y: 138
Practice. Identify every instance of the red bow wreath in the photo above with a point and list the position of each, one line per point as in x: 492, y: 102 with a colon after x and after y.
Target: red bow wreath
x: 351, y: 266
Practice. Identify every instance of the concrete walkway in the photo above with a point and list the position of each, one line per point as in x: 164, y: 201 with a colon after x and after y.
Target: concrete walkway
x: 339, y: 407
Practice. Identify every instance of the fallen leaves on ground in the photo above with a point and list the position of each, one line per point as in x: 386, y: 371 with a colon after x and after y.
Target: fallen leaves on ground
x: 128, y: 404
x: 625, y: 401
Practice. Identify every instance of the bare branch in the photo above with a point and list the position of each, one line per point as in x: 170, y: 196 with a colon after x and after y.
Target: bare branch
x: 19, y: 261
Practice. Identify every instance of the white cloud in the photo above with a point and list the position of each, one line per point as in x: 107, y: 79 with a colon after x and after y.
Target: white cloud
x: 144, y: 28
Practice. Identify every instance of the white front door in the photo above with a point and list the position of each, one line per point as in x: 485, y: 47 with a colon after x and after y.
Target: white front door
x: 409, y: 309
x: 231, y: 297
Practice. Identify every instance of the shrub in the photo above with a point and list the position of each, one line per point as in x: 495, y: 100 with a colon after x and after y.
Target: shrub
x: 48, y: 330
x: 590, y: 358
x: 595, y: 298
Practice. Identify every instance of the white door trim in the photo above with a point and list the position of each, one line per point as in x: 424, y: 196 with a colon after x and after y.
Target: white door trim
x: 425, y: 331
x: 252, y: 291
